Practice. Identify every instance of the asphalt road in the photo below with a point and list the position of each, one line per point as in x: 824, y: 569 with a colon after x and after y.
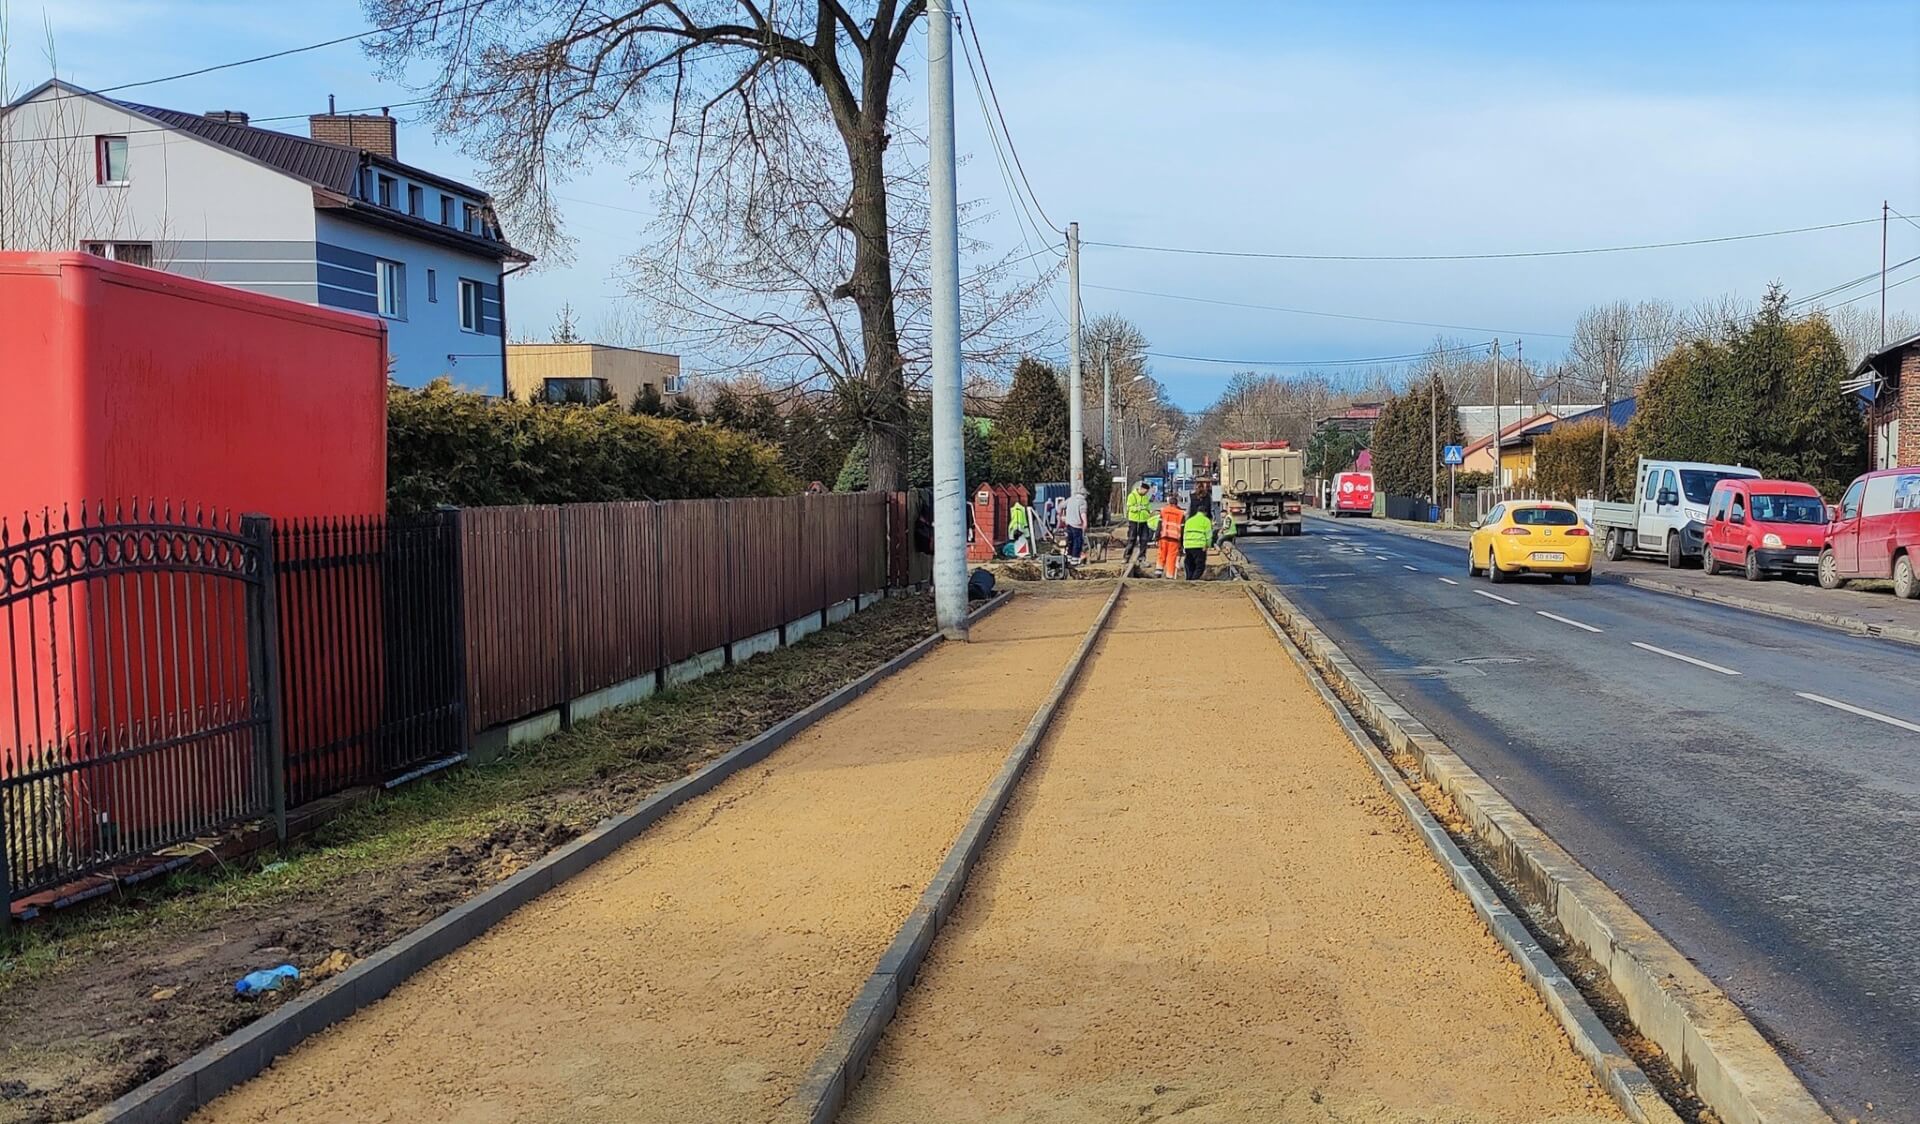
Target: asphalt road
x: 1773, y: 837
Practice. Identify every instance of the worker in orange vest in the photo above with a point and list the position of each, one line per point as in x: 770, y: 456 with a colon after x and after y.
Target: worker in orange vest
x: 1171, y: 518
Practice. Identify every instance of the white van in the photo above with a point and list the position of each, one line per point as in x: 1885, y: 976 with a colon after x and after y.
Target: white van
x: 1667, y: 516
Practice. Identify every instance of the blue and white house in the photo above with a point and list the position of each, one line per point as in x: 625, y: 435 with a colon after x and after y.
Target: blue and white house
x: 333, y: 218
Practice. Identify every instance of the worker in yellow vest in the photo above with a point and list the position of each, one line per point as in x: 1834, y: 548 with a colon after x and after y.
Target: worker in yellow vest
x: 1171, y: 520
x: 1139, y: 512
x: 1196, y: 535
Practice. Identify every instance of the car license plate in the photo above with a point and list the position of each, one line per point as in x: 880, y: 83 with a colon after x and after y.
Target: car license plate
x: 1548, y: 556
x: 1806, y: 559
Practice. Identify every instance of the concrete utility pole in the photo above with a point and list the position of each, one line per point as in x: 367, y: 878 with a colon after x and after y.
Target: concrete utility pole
x: 949, y: 449
x: 1606, y: 411
x: 1433, y: 421
x: 1106, y: 397
x: 1883, y: 273
x: 1499, y: 487
x: 1077, y: 474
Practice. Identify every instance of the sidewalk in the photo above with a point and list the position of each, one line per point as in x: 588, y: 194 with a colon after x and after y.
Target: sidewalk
x: 1182, y: 917
x: 1868, y: 608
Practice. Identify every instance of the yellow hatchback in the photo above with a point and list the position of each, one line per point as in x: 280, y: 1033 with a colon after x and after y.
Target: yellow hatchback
x: 1531, y: 537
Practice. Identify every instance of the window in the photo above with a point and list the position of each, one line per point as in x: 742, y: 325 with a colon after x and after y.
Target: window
x: 389, y: 188
x: 1653, y: 486
x: 576, y: 391
x: 133, y: 253
x: 416, y: 199
x: 433, y: 287
x: 390, y: 289
x: 472, y: 318
x: 446, y: 210
x: 1545, y: 517
x: 469, y: 218
x: 1850, y: 503
x: 1788, y: 509
x: 110, y: 160
x: 1699, y: 485
x: 1717, y: 510
x: 1739, y: 509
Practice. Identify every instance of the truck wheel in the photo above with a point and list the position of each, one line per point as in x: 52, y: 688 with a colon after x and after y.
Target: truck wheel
x: 1904, y: 583
x: 1829, y: 574
x: 1675, y: 559
x: 1754, y: 572
x: 1615, y: 550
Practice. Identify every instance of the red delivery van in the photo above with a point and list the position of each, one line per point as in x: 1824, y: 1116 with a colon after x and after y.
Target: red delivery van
x: 1353, y: 493
x: 1762, y: 527
x: 1875, y: 532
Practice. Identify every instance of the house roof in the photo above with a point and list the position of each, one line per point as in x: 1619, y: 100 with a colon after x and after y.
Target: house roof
x: 324, y: 165
x: 1619, y: 414
x: 1507, y: 432
x: 1882, y: 366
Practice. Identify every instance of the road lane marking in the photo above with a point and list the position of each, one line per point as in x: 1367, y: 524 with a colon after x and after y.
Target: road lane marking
x: 1862, y: 712
x: 1404, y: 566
x: 1686, y: 659
x: 1496, y: 597
x: 1449, y: 581
x: 1384, y: 557
x: 1565, y: 620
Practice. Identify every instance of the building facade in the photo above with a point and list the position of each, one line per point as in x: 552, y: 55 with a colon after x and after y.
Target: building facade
x: 312, y: 219
x: 1888, y: 382
x: 588, y: 372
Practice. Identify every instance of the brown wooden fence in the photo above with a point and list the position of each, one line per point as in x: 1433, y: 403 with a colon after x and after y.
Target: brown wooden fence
x: 563, y: 601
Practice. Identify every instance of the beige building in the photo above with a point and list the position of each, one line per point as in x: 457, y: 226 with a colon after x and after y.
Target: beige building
x: 587, y: 372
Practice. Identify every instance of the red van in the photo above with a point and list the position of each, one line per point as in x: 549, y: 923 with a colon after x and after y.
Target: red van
x: 1352, y: 493
x: 1875, y: 532
x: 1764, y: 527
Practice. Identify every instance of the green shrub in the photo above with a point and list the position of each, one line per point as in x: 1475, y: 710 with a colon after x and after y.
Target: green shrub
x: 447, y: 446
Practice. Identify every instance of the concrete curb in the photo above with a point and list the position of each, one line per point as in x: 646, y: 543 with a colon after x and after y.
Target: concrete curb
x: 1615, y: 1069
x: 179, y: 1092
x: 1705, y: 1035
x: 833, y: 1075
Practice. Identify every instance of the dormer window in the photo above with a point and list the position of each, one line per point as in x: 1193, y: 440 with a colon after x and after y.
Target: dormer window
x: 446, y: 210
x: 389, y: 192
x: 415, y: 206
x: 469, y: 218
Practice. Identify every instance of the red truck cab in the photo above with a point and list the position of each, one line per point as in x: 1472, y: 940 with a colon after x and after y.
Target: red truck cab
x: 1764, y: 527
x: 1875, y: 532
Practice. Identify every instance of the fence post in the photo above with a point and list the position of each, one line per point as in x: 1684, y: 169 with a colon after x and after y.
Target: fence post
x: 457, y: 554
x: 263, y: 663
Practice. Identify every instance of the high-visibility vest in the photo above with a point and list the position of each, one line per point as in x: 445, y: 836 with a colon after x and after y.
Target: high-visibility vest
x: 1197, y: 532
x: 1170, y: 519
x: 1139, y: 507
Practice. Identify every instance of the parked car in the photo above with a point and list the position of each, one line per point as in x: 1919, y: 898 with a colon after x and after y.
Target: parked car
x: 1764, y: 527
x: 1875, y: 532
x: 1531, y: 537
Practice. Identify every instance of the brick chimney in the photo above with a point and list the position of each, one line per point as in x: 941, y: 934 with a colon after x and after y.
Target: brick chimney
x: 374, y: 132
x: 226, y: 116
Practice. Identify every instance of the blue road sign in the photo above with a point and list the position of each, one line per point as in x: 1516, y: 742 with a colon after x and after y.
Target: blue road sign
x: 1454, y: 454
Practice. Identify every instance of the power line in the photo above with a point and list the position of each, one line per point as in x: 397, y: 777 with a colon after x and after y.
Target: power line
x: 1479, y: 257
x: 1319, y: 362
x: 973, y: 32
x: 1331, y: 315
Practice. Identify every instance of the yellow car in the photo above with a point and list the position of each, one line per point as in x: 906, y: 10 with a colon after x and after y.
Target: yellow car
x: 1531, y: 537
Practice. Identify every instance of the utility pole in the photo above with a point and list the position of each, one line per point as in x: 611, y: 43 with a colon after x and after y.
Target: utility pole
x: 1883, y: 273
x: 1106, y: 401
x: 1077, y: 475
x: 949, y: 450
x: 1499, y: 486
x: 1606, y: 410
x: 1433, y: 423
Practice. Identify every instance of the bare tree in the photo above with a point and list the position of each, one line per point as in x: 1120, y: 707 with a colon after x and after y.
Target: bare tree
x: 1858, y: 326
x: 48, y: 197
x: 768, y: 124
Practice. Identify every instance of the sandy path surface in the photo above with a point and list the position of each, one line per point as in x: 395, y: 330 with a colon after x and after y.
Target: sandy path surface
x: 1237, y: 926
x: 694, y: 974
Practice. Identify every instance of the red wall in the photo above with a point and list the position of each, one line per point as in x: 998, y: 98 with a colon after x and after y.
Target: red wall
x: 122, y: 382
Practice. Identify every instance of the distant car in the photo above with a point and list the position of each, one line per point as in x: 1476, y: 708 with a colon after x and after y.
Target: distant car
x: 1764, y: 527
x: 1531, y: 537
x: 1875, y: 532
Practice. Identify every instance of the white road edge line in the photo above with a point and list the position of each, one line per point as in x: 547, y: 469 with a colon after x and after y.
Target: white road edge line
x: 1449, y: 581
x: 1404, y: 566
x: 1851, y: 709
x: 1566, y: 620
x: 1496, y: 597
x: 1686, y: 659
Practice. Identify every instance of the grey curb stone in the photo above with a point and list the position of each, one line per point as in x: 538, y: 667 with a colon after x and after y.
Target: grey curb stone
x: 179, y: 1092
x: 841, y: 1064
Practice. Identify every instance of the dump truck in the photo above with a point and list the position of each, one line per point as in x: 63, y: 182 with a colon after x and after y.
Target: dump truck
x: 1262, y: 484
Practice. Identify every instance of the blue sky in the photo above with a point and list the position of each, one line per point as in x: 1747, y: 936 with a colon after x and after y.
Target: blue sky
x: 1361, y: 128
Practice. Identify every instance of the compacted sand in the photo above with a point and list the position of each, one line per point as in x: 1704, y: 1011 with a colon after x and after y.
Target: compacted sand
x: 693, y: 976
x: 1202, y: 905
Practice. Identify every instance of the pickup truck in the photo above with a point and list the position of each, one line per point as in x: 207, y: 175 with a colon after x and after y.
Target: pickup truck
x: 1667, y: 516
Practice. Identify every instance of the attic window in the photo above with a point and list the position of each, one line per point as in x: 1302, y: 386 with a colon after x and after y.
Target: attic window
x: 414, y: 198
x: 110, y: 161
x: 389, y: 188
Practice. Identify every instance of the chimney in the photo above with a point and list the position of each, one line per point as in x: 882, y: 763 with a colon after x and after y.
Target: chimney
x: 226, y: 116
x: 374, y: 132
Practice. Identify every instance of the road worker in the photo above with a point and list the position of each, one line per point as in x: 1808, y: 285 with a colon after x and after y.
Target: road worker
x: 1196, y: 535
x: 1170, y: 520
x: 1139, y: 511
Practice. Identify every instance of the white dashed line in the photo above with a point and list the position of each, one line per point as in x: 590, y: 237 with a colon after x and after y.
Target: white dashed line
x: 1384, y: 557
x: 1496, y: 597
x: 1565, y: 620
x: 1686, y: 659
x: 1449, y: 581
x: 1404, y: 566
x: 1851, y: 709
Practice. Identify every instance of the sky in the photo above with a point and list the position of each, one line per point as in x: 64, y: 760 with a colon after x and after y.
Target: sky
x: 1353, y: 128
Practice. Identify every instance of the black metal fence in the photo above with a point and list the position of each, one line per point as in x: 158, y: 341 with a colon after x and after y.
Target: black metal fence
x: 137, y: 712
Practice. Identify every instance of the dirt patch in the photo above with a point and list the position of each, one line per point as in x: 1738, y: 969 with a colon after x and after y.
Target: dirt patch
x: 694, y: 974
x: 1181, y: 919
x: 93, y: 1003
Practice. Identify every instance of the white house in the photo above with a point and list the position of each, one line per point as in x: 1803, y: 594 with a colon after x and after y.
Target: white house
x: 331, y: 219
